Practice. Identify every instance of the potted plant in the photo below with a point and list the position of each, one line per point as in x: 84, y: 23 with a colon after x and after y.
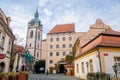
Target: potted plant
x: 23, y: 75
x: 3, y: 76
x: 12, y: 76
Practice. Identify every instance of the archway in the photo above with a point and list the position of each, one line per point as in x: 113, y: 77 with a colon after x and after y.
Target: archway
x: 2, y: 67
x: 61, y: 68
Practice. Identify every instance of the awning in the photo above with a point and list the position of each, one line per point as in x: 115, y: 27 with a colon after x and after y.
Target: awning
x: 2, y: 56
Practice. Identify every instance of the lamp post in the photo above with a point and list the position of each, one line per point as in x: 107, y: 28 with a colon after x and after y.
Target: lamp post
x: 115, y: 68
x: 87, y: 63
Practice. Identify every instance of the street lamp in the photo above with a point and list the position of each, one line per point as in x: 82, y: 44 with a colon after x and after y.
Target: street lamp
x: 87, y: 63
x: 115, y: 68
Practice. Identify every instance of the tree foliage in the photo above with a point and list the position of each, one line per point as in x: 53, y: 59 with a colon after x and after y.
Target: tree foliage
x: 39, y: 64
x: 68, y: 59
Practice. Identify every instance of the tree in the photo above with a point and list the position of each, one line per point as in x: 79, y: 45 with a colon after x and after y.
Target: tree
x: 68, y: 59
x: 15, y: 50
x: 39, y: 66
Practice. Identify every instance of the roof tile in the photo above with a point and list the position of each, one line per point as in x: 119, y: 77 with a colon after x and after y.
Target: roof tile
x: 63, y: 28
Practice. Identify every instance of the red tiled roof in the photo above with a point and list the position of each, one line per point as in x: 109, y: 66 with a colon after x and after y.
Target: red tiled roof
x: 111, y: 32
x: 18, y: 48
x: 108, y: 38
x: 63, y: 28
x: 44, y: 40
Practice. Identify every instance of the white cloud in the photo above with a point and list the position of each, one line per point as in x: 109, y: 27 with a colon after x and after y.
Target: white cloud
x: 53, y: 12
x: 47, y: 12
x: 19, y: 19
x: 42, y: 2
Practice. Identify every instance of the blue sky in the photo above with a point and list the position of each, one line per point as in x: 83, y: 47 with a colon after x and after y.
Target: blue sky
x: 51, y: 12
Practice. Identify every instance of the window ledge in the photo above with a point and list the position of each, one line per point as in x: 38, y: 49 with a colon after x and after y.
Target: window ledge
x: 8, y: 52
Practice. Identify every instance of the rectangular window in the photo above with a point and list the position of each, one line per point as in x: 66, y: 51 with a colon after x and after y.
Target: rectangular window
x: 70, y: 45
x: 82, y: 65
x: 9, y: 45
x: 57, y: 53
x: 57, y: 39
x: 70, y: 38
x: 51, y: 62
x: 0, y: 34
x: 63, y: 39
x: 91, y: 65
x: 51, y: 46
x: 2, y: 41
x: 51, y: 54
x: 51, y: 39
x: 77, y: 68
x: 117, y: 61
x: 70, y: 53
x: 63, y: 45
x: 64, y: 53
x: 57, y: 46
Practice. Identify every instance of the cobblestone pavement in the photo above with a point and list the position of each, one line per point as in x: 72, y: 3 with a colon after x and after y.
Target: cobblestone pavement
x: 51, y: 77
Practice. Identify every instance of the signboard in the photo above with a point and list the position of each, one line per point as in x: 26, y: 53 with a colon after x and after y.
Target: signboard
x: 2, y: 56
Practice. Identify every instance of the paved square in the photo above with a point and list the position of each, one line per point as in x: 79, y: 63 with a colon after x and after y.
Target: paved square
x: 51, y: 77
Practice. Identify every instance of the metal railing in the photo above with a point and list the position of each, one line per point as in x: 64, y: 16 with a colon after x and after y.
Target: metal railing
x: 102, y: 76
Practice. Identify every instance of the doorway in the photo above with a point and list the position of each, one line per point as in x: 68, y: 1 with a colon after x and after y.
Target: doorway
x: 61, y: 68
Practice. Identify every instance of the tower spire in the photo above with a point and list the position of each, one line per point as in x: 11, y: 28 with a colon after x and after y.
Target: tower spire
x: 36, y: 13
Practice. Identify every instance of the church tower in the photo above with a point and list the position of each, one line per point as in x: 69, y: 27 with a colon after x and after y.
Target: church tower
x: 34, y: 37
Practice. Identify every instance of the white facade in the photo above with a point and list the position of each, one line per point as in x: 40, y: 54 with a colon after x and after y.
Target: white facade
x: 109, y: 61
x: 6, y: 42
x: 96, y: 67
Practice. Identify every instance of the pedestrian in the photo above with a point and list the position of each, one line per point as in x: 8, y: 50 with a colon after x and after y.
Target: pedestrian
x: 65, y: 71
x: 46, y: 72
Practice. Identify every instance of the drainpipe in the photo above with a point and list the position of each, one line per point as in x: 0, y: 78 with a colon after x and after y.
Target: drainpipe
x: 35, y: 42
x: 99, y: 59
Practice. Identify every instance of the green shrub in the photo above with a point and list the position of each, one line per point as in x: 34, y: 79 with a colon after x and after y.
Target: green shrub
x: 97, y: 76
x: 3, y: 76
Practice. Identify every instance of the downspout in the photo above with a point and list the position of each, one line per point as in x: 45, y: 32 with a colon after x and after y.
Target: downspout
x: 26, y: 39
x: 11, y: 54
x: 35, y: 43
x: 41, y: 44
x: 99, y: 60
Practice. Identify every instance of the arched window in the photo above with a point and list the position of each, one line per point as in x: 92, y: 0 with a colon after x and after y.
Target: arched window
x: 37, y: 54
x: 38, y: 45
x: 38, y: 35
x: 30, y: 45
x: 31, y: 34
x: 2, y: 67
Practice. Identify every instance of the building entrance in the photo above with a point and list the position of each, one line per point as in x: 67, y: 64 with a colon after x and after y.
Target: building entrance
x: 61, y: 68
